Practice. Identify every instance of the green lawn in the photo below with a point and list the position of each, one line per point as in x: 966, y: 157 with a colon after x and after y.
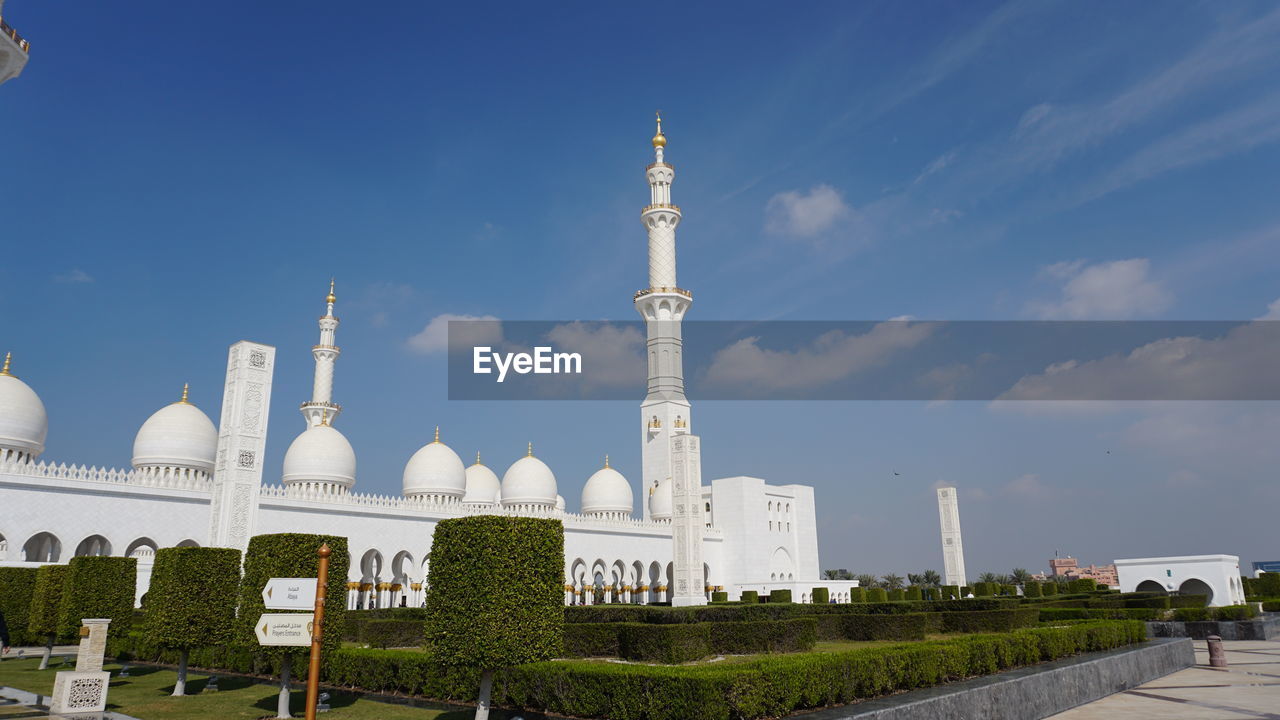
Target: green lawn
x: 145, y: 695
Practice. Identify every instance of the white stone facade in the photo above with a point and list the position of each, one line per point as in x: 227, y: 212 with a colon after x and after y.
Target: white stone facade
x: 952, y: 546
x: 1217, y: 576
x: 752, y: 535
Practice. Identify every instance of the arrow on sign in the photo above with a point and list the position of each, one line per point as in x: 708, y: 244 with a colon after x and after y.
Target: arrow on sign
x: 290, y: 594
x: 286, y: 629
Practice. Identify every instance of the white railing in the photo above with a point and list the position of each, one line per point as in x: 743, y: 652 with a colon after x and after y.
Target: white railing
x: 115, y: 476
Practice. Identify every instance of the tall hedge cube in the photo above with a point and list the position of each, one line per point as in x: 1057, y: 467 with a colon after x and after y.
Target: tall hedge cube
x: 17, y: 586
x: 192, y: 601
x: 821, y: 596
x: 497, y: 594
x: 98, y: 587
x: 46, y: 601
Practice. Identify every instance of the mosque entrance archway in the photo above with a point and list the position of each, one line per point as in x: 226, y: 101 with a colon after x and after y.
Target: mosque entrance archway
x: 42, y: 548
x: 1196, y: 586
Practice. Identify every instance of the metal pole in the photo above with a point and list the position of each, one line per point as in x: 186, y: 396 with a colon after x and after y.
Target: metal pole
x: 317, y: 633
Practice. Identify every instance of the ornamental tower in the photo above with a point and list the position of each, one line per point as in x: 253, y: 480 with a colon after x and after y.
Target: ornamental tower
x: 665, y: 410
x: 952, y: 549
x: 321, y: 406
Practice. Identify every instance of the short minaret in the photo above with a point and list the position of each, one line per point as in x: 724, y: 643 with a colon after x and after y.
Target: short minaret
x: 242, y: 437
x: 326, y: 354
x: 665, y: 410
x: 952, y: 549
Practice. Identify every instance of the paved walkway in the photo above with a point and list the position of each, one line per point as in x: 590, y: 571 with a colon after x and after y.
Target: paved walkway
x: 1249, y: 687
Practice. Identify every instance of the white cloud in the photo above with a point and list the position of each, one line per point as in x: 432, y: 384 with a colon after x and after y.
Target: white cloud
x: 939, y: 164
x: 1273, y: 311
x: 1239, y: 365
x: 1032, y: 116
x: 75, y: 277
x: 805, y: 215
x: 434, y: 338
x: 748, y: 368
x: 612, y: 355
x: 1027, y: 487
x: 1117, y: 290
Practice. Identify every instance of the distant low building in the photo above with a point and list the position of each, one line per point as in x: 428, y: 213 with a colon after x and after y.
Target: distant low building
x: 1266, y: 566
x: 1217, y: 577
x: 1069, y: 568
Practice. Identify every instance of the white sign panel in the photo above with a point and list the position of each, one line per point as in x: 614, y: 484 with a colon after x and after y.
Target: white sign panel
x: 289, y: 629
x: 290, y: 594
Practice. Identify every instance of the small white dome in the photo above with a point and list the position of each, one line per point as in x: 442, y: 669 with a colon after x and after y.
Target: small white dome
x: 435, y: 470
x: 178, y: 435
x: 483, y: 486
x: 320, y: 454
x: 607, y: 491
x: 529, y: 482
x: 23, y: 421
x: 660, y: 501
x: 560, y: 503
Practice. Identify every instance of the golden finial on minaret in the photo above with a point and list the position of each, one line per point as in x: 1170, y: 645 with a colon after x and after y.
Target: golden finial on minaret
x: 659, y: 140
x: 5, y: 371
x: 530, y: 453
x: 606, y: 461
x: 331, y: 298
x: 185, y: 388
x: 437, y: 434
x: 324, y: 418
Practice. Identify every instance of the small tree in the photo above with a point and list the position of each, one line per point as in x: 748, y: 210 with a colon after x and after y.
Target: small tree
x: 192, y: 601
x: 892, y: 581
x: 17, y: 585
x: 98, y: 587
x: 291, y: 555
x: 932, y: 578
x: 1020, y: 576
x: 42, y: 622
x: 496, y: 597
x: 866, y: 580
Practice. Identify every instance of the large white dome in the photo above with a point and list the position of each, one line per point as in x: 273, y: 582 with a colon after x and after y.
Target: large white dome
x: 529, y: 482
x: 483, y: 486
x: 177, y: 436
x: 435, y: 470
x: 320, y: 455
x: 607, y: 491
x: 23, y: 421
x: 660, y: 500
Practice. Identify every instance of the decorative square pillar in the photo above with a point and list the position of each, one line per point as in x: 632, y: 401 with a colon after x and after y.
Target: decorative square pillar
x: 84, y: 690
x: 686, y: 522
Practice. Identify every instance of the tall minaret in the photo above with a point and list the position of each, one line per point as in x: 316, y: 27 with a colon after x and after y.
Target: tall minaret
x: 665, y: 410
x: 326, y: 354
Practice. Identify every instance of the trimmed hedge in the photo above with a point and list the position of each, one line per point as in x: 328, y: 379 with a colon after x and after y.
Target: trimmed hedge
x: 17, y: 587
x: 497, y: 591
x: 192, y: 598
x: 914, y: 593
x: 779, y: 596
x: 857, y: 595
x: 46, y: 600
x: 877, y: 595
x: 764, y: 687
x: 950, y: 592
x: 670, y: 644
x: 98, y: 587
x: 1226, y: 613
x: 1271, y: 606
x: 292, y: 555
x: 749, y: 596
x: 1049, y: 588
x: 392, y: 633
x: 719, y: 596
x: 906, y: 626
x: 767, y: 636
x: 1267, y: 585
x: 821, y: 596
x: 1059, y: 614
x: 674, y: 643
x: 1159, y: 602
x: 984, y: 589
x: 1082, y: 585
x: 1185, y: 601
x: 897, y: 595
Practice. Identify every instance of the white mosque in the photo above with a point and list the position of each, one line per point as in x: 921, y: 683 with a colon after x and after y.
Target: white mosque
x: 195, y: 484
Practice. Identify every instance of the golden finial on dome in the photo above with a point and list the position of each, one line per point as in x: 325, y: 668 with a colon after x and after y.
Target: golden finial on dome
x: 437, y: 434
x: 185, y: 387
x: 478, y: 457
x: 659, y: 140
x: 530, y: 453
x: 5, y: 371
x: 606, y: 461
x: 331, y: 298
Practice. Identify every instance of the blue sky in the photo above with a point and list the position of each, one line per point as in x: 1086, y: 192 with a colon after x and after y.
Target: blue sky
x: 178, y: 180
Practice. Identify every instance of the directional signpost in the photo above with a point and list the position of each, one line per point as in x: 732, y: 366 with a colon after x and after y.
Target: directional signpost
x: 297, y: 629
x: 290, y: 594
x: 285, y: 629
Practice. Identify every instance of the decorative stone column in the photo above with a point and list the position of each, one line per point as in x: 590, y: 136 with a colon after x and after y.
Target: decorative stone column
x: 84, y: 690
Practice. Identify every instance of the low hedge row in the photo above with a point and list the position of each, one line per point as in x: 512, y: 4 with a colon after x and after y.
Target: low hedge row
x: 676, y: 643
x: 392, y: 633
x: 758, y: 688
x: 734, y: 612
x: 1059, y: 614
x: 1271, y: 606
x: 1225, y: 613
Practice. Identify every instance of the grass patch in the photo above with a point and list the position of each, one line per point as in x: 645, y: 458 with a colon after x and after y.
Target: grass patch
x: 145, y: 694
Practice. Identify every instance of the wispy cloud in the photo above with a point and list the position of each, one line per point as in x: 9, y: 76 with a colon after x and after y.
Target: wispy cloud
x: 434, y: 338
x: 1118, y: 290
x: 75, y: 276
